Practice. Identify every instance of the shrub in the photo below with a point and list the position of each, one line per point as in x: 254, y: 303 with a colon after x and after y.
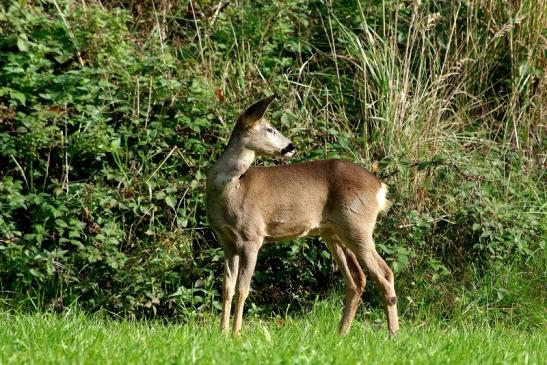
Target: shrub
x: 110, y: 118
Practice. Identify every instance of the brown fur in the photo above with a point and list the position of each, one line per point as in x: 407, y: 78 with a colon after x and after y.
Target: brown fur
x: 335, y: 199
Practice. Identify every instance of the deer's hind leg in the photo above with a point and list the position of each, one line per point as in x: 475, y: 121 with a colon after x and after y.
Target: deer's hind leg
x: 359, y: 241
x: 353, y: 276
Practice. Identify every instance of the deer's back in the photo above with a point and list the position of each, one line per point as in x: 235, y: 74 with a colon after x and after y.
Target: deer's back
x: 322, y: 177
x: 293, y: 200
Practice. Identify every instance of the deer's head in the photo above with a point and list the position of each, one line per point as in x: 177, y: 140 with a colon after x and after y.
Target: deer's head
x: 254, y: 132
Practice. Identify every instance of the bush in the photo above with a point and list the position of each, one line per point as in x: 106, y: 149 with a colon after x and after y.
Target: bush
x: 110, y: 118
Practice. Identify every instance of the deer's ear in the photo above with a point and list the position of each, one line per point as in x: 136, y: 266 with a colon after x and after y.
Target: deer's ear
x: 256, y: 111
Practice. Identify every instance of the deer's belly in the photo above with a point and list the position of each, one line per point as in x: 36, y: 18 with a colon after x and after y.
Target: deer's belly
x: 279, y: 229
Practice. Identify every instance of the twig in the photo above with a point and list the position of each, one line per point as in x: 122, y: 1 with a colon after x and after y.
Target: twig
x: 218, y: 8
x: 160, y: 28
x: 22, y: 171
x: 178, y: 206
x: 432, y: 162
x: 149, y: 103
x: 198, y: 33
x: 161, y: 164
x: 78, y: 55
x: 66, y: 167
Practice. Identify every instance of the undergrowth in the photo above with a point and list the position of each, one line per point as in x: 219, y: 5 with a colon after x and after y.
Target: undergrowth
x: 111, y: 115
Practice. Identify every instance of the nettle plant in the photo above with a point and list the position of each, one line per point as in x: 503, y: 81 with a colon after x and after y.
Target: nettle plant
x: 109, y: 119
x: 93, y: 174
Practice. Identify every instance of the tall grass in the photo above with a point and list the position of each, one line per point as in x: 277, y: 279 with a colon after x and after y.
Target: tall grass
x: 424, y: 80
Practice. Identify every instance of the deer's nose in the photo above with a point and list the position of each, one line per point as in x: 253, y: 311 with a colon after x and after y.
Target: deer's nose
x: 287, y: 150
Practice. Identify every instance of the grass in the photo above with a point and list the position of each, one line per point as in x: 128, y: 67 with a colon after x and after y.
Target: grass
x: 76, y: 338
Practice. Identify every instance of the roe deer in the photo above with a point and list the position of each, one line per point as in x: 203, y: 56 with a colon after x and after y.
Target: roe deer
x: 335, y: 199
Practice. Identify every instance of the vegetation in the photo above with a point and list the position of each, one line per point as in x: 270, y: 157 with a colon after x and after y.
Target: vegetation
x: 112, y: 112
x: 76, y: 338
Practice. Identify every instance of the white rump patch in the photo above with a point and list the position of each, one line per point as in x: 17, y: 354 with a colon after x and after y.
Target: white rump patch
x: 383, y: 203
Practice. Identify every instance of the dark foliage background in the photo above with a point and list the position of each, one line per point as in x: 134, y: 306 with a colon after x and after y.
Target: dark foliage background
x: 111, y: 112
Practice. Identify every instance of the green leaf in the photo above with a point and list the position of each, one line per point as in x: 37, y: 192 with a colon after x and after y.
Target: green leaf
x: 61, y: 223
x: 35, y: 273
x: 19, y: 96
x: 29, y: 236
x: 171, y: 201
x: 74, y: 234
x: 22, y: 43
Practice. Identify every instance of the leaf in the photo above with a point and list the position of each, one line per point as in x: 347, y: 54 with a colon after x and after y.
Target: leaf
x: 61, y: 223
x: 29, y: 236
x: 171, y: 201
x: 19, y: 96
x: 375, y: 166
x: 115, y: 144
x: 35, y: 273
x: 220, y: 95
x: 73, y: 234
x: 22, y: 43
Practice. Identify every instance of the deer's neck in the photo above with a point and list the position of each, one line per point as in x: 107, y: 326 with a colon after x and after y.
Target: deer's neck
x: 230, y: 166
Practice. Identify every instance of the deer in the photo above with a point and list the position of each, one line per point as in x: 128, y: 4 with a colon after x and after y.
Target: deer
x: 249, y: 205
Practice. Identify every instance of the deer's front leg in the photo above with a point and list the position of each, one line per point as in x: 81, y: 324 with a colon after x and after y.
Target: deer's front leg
x: 247, y: 262
x: 231, y: 265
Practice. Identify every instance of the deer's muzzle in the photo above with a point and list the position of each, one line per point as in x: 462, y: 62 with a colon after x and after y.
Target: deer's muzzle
x: 288, y: 151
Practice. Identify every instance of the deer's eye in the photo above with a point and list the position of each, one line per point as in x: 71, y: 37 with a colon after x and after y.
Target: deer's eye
x: 269, y: 130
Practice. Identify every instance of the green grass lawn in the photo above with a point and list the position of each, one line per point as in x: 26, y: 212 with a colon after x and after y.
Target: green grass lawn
x: 310, y: 338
